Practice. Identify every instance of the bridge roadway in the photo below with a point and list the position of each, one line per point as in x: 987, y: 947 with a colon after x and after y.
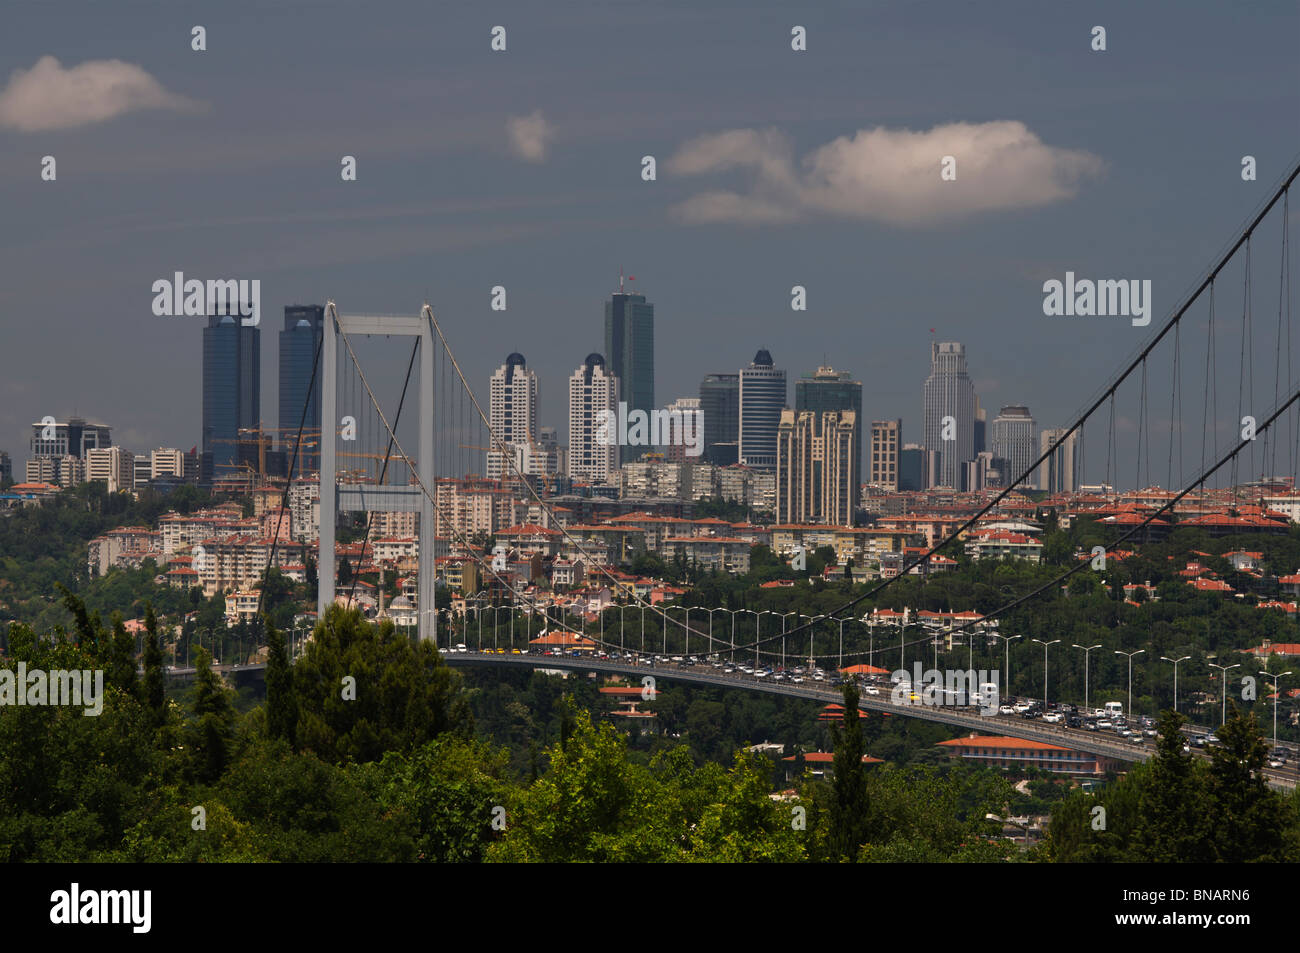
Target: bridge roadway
x: 702, y: 674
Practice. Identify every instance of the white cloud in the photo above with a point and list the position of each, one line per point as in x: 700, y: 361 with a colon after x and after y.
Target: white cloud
x: 47, y: 96
x: 529, y: 136
x: 885, y: 175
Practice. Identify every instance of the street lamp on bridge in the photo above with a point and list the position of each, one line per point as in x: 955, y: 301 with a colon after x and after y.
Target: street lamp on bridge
x: 1045, y: 645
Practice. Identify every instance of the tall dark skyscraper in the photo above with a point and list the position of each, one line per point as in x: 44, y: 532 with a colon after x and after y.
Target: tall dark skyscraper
x: 232, y: 386
x: 830, y: 389
x: 303, y: 327
x: 720, y: 408
x: 762, y: 398
x: 630, y: 350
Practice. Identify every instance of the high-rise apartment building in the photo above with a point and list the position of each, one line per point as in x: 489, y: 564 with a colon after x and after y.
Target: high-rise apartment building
x: 814, y: 472
x: 513, y: 417
x: 593, y: 452
x: 884, y: 458
x: 762, y: 398
x: 829, y: 389
x: 720, y: 407
x: 630, y: 349
x: 1061, y: 472
x: 304, y: 325
x: 232, y: 387
x: 949, y: 393
x: 1013, y: 442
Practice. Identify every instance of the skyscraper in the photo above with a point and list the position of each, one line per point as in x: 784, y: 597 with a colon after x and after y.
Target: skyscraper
x: 950, y: 393
x: 232, y: 387
x: 513, y: 417
x: 829, y: 389
x: 592, y: 388
x: 815, y: 464
x: 720, y: 407
x: 885, y: 455
x: 630, y: 347
x: 762, y: 398
x: 1059, y: 473
x: 299, y: 342
x: 1013, y: 442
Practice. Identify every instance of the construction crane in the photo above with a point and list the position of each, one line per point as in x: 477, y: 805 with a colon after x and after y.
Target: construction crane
x: 261, y: 438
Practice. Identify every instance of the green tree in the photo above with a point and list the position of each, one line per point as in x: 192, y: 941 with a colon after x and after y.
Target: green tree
x: 849, y: 816
x: 281, y: 703
x: 153, y: 687
x: 209, y: 734
x: 362, y: 690
x: 1247, y: 820
x: 1172, y: 801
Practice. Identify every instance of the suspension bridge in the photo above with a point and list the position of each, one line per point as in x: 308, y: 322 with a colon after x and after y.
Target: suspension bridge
x: 424, y: 475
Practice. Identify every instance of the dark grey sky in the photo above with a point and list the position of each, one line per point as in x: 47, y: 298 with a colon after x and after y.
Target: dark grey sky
x: 1128, y: 165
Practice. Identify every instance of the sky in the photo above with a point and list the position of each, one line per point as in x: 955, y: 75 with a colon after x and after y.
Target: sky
x: 523, y: 168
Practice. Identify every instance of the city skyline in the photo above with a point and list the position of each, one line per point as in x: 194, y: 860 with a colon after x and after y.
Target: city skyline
x: 450, y: 213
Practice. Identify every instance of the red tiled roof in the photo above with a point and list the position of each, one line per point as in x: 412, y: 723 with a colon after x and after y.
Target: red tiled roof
x: 827, y: 757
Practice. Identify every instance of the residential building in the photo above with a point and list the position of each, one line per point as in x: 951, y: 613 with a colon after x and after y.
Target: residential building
x: 815, y: 454
x: 513, y: 418
x: 592, y: 388
x: 829, y: 389
x: 884, y: 461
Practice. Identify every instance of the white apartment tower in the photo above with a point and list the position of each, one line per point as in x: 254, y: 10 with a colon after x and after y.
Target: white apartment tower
x: 592, y: 389
x: 513, y: 417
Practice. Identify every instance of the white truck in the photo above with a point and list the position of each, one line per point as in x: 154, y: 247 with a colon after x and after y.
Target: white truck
x: 1113, y: 710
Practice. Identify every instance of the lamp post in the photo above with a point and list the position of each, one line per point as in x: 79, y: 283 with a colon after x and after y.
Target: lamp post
x: 1223, y: 716
x: 811, y: 619
x: 1276, y: 698
x: 784, y: 615
x: 1006, y: 647
x: 711, y: 611
x: 870, y: 621
x: 1045, y: 645
x: 841, y: 664
x: 764, y: 612
x: 1087, y: 650
x: 1166, y: 658
x: 1130, y: 655
x: 753, y: 612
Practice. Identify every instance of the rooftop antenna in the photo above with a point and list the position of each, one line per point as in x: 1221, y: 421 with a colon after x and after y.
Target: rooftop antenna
x: 620, y: 279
